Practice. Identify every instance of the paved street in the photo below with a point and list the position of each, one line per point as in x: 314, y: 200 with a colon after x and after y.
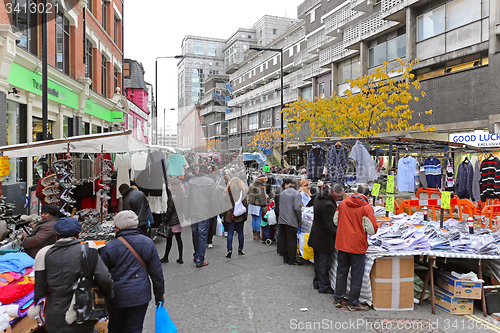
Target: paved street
x: 258, y: 293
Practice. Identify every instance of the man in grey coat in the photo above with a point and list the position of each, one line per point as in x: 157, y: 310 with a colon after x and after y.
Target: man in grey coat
x: 289, y: 219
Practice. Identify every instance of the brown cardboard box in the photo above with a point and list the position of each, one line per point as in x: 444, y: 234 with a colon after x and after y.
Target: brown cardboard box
x: 101, y: 327
x: 25, y: 325
x: 392, y: 284
x: 458, y: 288
x: 453, y: 305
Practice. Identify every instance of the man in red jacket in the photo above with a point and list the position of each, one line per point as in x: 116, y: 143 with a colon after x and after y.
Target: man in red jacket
x: 354, y: 219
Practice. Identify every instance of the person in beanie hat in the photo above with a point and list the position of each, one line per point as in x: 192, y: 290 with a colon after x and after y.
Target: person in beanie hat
x: 257, y: 203
x: 58, y: 268
x: 43, y: 233
x: 132, y: 288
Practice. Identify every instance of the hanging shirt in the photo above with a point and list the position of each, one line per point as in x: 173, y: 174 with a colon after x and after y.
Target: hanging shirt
x: 423, y: 179
x: 433, y: 172
x: 365, y: 168
x: 175, y: 165
x: 138, y: 163
x: 315, y: 163
x: 465, y: 175
x: 406, y: 174
x: 490, y: 179
x: 450, y: 176
x: 476, y: 189
x: 337, y: 162
x: 122, y: 165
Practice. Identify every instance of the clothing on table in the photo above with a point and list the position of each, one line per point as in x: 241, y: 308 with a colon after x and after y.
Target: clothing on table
x: 315, y: 163
x: 175, y: 165
x: 138, y: 161
x: 465, y: 176
x: 476, y: 190
x: 433, y: 172
x: 337, y: 162
x: 406, y: 174
x: 490, y: 178
x: 365, y: 168
x: 423, y: 179
x: 122, y: 165
x: 450, y: 176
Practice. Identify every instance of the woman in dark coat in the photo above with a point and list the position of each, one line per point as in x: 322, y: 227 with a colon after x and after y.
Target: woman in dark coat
x: 322, y: 236
x: 232, y: 194
x: 173, y: 219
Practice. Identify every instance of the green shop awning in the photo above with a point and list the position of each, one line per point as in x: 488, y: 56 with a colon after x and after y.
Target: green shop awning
x: 94, y: 109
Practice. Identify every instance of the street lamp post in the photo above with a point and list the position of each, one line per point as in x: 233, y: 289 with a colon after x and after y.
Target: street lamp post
x: 280, y: 50
x: 164, y: 125
x: 156, y: 89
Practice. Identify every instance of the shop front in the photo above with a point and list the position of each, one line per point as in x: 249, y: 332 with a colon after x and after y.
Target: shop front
x: 137, y: 120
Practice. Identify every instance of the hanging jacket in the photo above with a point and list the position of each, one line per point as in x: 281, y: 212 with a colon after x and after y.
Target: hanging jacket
x: 465, y: 176
x: 365, y: 168
x: 490, y: 179
x: 315, y: 163
x: 337, y: 161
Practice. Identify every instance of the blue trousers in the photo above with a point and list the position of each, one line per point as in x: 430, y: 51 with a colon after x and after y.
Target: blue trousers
x: 200, y: 233
x: 127, y: 320
x: 256, y: 221
x: 231, y: 227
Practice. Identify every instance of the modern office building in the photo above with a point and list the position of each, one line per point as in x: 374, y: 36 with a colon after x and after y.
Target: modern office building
x: 85, y: 61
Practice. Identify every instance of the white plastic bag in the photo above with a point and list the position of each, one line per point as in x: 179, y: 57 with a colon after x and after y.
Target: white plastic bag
x: 271, y: 217
x: 220, y: 229
x: 239, y: 208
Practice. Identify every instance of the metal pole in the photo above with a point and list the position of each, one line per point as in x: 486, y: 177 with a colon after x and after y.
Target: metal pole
x: 241, y: 129
x: 164, y: 110
x: 281, y: 104
x: 156, y: 102
x: 45, y: 102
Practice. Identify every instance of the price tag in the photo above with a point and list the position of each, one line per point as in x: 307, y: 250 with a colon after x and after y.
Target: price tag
x: 390, y: 184
x: 445, y: 200
x: 266, y: 168
x: 389, y: 203
x: 4, y: 166
x: 375, y: 189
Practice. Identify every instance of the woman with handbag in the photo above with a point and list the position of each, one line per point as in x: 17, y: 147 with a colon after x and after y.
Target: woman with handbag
x: 257, y: 203
x: 236, y: 216
x: 173, y: 218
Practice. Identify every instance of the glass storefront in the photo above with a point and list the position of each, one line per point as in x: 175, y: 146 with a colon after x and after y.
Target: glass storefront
x: 38, y: 128
x: 16, y: 133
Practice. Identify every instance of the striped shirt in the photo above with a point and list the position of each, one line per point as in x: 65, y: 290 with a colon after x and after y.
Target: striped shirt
x: 490, y: 179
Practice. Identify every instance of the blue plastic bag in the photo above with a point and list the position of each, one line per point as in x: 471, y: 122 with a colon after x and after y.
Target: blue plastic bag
x: 163, y: 323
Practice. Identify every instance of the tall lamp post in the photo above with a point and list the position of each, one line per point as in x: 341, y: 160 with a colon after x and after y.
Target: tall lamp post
x: 164, y: 125
x: 280, y: 50
x: 156, y: 89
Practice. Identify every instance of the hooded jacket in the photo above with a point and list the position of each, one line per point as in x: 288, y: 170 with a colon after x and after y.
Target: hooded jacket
x: 43, y: 234
x: 354, y: 219
x: 323, y: 231
x: 137, y: 202
x: 257, y: 193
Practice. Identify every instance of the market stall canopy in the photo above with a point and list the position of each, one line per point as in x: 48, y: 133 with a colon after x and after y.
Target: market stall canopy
x: 162, y: 148
x: 259, y: 158
x: 112, y: 142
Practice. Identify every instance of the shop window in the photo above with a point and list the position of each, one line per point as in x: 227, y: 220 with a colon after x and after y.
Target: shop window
x: 68, y: 126
x: 38, y: 128
x: 95, y: 129
x: 62, y: 43
x: 104, y: 76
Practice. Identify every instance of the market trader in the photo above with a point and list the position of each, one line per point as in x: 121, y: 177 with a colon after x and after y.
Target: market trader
x: 43, y: 233
x: 137, y: 202
x: 354, y: 219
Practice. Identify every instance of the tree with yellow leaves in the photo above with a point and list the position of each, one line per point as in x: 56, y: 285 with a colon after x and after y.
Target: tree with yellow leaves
x: 210, y: 145
x: 374, y: 104
x: 270, y: 138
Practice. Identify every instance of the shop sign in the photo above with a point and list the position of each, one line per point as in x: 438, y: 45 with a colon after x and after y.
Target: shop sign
x: 137, y: 110
x: 4, y: 166
x: 476, y: 139
x: 94, y: 109
x: 32, y: 82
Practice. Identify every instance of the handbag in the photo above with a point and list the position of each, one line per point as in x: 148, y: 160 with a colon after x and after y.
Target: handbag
x: 239, y: 208
x: 90, y: 302
x: 163, y: 230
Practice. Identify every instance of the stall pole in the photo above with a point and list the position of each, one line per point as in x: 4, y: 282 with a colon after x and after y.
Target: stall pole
x: 102, y: 165
x: 441, y: 223
x: 390, y: 159
x: 483, y: 298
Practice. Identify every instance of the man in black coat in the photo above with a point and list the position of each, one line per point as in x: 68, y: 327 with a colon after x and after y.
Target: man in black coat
x: 322, y: 236
x: 137, y: 202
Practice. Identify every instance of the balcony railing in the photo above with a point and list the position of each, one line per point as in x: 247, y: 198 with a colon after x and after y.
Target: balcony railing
x: 212, y: 108
x: 305, y: 6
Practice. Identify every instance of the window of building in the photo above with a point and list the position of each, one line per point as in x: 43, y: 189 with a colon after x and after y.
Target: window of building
x: 89, y: 61
x: 321, y: 90
x: 244, y: 36
x: 461, y: 12
x: 62, y: 43
x: 138, y: 129
x: 275, y: 31
x: 104, y: 75
x: 387, y: 48
x: 244, y: 124
x: 431, y: 23
x: 245, y: 47
x: 313, y: 16
x: 26, y: 22
x: 126, y: 70
x: 104, y: 11
x: 253, y: 121
x: 94, y: 129
x: 211, y: 50
x: 275, y: 60
x: 261, y: 33
x: 115, y: 78
x: 90, y: 6
x: 116, y: 30
x: 233, y: 126
x: 268, y: 118
x: 198, y: 48
x: 68, y: 126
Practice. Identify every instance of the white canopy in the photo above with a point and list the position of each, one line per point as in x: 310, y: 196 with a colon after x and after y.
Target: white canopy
x: 111, y: 142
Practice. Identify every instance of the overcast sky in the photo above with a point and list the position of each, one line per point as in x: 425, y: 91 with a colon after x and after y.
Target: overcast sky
x: 155, y: 28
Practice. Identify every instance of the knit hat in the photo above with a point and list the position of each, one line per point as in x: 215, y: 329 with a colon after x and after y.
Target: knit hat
x: 51, y: 209
x: 126, y: 219
x: 67, y: 227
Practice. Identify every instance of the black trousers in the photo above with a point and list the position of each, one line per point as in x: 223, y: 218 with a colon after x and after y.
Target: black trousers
x: 212, y: 229
x: 127, y: 320
x: 289, y: 243
x: 322, y: 266
x: 356, y: 262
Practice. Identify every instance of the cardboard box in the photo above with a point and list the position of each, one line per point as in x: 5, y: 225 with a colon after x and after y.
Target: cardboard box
x: 458, y: 288
x: 25, y: 325
x: 392, y: 284
x: 101, y: 327
x: 453, y: 305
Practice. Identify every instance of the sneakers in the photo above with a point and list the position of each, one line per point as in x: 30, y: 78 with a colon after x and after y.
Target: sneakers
x: 338, y: 305
x: 229, y: 253
x: 210, y: 246
x: 359, y: 307
x: 240, y: 252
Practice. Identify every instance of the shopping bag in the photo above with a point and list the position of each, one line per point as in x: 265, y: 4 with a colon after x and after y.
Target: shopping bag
x: 239, y: 208
x: 308, y: 252
x: 220, y: 228
x: 271, y: 217
x: 163, y: 323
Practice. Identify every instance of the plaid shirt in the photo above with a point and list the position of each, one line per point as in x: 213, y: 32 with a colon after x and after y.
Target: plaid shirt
x: 315, y: 163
